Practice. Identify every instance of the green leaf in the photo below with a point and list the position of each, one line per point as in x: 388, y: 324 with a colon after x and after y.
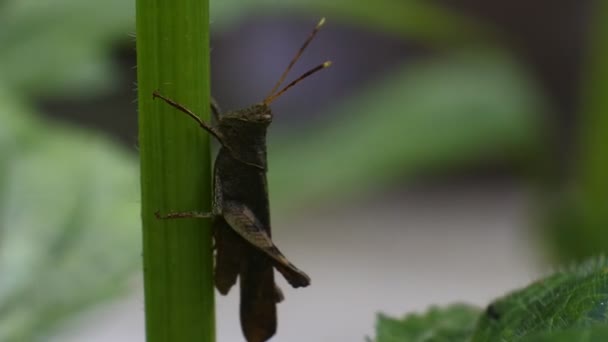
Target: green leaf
x: 70, y: 228
x: 451, y: 324
x: 572, y: 300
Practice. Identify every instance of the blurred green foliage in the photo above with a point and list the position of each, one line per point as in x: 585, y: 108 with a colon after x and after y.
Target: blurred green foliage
x: 577, y: 217
x: 69, y: 233
x: 63, y: 47
x: 68, y: 221
x: 442, y: 113
x: 411, y: 19
x: 571, y: 305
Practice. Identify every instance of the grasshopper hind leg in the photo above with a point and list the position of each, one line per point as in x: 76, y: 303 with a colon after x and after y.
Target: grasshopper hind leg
x: 244, y: 222
x: 229, y: 256
x: 258, y: 309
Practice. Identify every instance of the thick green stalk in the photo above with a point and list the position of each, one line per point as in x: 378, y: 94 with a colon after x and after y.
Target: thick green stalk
x: 173, y: 57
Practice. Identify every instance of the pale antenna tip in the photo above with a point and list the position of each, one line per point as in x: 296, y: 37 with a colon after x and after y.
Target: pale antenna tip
x: 321, y: 22
x: 327, y: 64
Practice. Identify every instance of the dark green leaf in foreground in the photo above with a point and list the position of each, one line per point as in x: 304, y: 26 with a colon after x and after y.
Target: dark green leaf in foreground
x: 570, y: 299
x: 570, y: 305
x: 452, y: 324
x: 597, y: 333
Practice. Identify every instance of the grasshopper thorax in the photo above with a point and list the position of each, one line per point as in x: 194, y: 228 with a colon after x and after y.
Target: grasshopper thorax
x: 244, y: 133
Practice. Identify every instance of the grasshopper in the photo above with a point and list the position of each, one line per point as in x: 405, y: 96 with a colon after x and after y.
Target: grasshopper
x: 240, y: 212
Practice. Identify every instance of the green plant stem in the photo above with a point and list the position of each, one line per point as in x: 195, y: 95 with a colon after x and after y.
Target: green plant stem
x: 173, y: 57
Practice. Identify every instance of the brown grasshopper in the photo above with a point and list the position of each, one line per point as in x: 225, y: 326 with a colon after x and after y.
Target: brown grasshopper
x: 241, y: 214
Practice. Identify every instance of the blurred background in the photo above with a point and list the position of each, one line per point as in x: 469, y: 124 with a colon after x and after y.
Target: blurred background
x: 453, y: 152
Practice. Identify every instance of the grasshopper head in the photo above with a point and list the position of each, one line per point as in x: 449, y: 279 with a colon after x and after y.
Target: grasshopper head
x: 256, y: 115
x: 260, y: 114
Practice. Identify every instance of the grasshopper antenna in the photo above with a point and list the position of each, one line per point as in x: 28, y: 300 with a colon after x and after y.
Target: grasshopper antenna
x: 273, y: 94
x: 273, y: 97
x: 297, y: 56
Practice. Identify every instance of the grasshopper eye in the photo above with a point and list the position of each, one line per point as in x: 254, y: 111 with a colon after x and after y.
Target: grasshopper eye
x: 263, y: 118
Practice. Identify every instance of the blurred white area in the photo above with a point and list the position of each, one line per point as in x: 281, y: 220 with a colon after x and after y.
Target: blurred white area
x: 398, y: 254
